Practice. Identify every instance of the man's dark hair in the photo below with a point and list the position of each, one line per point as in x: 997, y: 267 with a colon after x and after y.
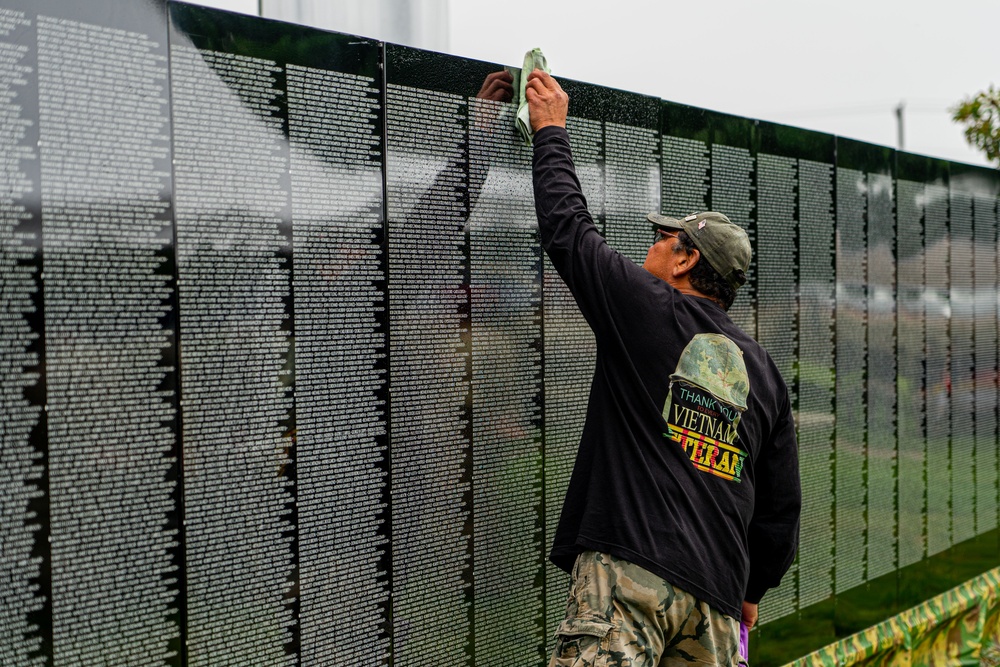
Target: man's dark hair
x: 705, y: 278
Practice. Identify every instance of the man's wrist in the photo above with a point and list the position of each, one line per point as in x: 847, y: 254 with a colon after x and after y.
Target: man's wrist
x: 550, y: 123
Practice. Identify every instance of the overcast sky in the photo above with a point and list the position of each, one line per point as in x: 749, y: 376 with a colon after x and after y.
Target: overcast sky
x: 838, y: 67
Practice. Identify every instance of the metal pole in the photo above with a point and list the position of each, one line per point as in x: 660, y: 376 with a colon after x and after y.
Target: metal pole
x: 899, y: 124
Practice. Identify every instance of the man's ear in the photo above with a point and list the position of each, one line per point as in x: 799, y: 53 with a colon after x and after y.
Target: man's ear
x: 686, y: 262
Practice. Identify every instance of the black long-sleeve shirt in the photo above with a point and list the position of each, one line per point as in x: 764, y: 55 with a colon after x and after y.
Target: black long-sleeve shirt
x: 660, y: 480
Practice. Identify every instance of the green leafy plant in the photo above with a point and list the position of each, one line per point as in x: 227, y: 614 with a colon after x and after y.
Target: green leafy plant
x: 980, y: 115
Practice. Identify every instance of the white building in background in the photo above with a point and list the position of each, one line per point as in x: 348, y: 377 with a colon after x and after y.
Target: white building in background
x: 419, y: 23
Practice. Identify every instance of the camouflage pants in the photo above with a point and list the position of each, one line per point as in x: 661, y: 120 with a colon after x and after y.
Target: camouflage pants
x: 620, y: 615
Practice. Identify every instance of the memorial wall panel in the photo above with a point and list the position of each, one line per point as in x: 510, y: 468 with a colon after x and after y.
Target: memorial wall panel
x: 333, y: 88
x: 866, y: 457
x: 428, y: 197
x: 96, y: 177
x: 851, y: 337
x: 506, y: 301
x: 232, y: 211
x: 777, y: 315
x: 974, y: 321
x: 25, y: 597
x: 815, y: 415
x: 795, y: 324
x: 881, y: 369
x: 937, y: 358
x: 281, y: 354
x: 912, y: 307
x: 961, y: 378
x: 876, y: 360
x: 985, y: 366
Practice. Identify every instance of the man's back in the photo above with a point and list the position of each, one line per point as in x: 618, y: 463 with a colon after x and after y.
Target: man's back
x: 640, y: 490
x: 687, y: 471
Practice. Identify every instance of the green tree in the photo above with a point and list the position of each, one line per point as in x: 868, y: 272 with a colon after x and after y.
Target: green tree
x: 980, y: 116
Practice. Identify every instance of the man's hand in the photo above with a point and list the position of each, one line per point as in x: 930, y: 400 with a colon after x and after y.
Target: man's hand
x: 498, y: 86
x: 749, y: 614
x: 547, y: 103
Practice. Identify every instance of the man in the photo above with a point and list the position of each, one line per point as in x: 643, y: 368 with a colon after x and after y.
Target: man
x: 683, y: 505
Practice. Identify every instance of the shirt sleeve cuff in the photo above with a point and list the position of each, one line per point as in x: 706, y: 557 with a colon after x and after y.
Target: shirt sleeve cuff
x: 549, y: 132
x: 754, y: 593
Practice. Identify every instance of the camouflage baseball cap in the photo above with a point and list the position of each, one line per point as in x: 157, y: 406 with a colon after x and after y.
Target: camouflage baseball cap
x: 724, y: 244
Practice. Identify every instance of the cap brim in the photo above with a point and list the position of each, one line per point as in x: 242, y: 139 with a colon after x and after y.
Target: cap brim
x: 663, y: 222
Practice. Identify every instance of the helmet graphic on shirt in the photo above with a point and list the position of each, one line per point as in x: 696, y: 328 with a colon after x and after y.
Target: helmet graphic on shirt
x: 708, y: 395
x: 715, y: 362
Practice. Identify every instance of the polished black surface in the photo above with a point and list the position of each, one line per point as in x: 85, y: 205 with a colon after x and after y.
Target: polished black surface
x: 92, y: 537
x: 280, y: 277
x: 795, y: 322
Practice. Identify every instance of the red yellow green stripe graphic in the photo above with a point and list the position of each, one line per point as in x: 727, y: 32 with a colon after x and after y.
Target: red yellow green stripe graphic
x: 709, y: 454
